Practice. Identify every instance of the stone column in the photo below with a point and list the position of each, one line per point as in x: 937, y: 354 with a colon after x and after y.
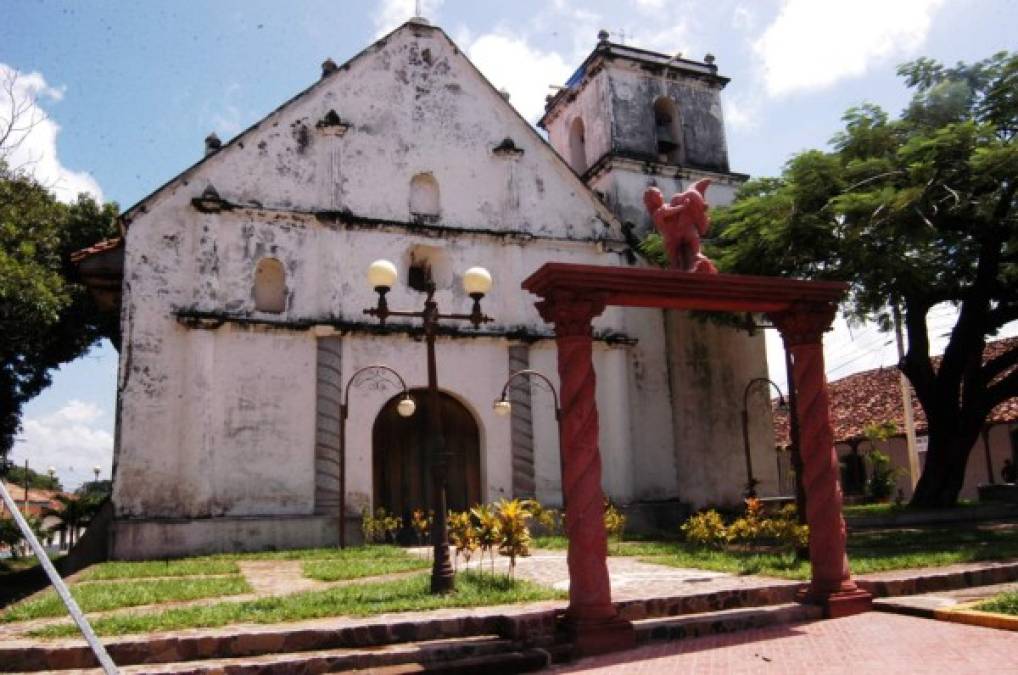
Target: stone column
x: 521, y: 433
x: 831, y: 582
x: 591, y: 621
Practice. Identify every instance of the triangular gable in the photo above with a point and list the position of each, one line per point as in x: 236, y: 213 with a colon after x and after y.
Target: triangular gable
x: 562, y: 170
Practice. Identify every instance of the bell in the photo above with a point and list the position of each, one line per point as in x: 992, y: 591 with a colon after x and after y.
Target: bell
x: 665, y: 141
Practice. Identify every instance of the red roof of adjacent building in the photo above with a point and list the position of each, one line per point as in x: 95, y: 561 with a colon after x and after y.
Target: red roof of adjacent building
x: 94, y: 249
x: 874, y: 397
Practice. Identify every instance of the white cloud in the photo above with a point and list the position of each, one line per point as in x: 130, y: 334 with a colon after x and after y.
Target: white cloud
x: 512, y: 64
x: 667, y: 40
x: 741, y: 114
x: 812, y: 44
x: 32, y: 147
x: 743, y: 18
x: 392, y: 13
x: 73, y: 439
x: 650, y: 5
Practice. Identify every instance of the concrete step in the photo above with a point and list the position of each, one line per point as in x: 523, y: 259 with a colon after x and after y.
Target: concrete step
x: 722, y: 621
x: 489, y: 654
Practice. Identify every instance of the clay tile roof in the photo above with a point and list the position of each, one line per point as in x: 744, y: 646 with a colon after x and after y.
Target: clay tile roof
x: 874, y: 396
x: 94, y: 249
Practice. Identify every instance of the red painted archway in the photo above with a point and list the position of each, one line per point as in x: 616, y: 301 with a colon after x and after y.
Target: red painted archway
x: 571, y: 296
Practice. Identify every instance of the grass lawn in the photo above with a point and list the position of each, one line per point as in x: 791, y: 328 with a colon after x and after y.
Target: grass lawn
x: 1005, y: 603
x: 890, y: 508
x: 472, y: 590
x: 868, y: 551
x: 363, y: 561
x: 100, y: 597
x: 186, y: 567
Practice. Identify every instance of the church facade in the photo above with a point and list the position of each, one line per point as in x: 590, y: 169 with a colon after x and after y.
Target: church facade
x: 241, y: 287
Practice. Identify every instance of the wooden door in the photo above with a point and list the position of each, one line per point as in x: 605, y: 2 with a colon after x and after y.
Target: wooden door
x: 400, y: 462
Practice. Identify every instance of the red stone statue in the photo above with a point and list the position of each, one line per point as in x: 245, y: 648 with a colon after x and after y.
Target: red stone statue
x: 681, y: 223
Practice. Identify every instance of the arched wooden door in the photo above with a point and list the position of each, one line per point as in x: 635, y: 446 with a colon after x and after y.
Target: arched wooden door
x: 400, y: 462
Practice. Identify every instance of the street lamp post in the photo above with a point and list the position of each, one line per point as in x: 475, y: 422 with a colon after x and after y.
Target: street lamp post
x: 750, y: 481
x: 503, y: 407
x: 405, y: 408
x: 476, y: 282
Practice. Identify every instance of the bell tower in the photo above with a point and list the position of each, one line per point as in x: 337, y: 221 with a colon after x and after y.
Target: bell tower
x: 630, y: 118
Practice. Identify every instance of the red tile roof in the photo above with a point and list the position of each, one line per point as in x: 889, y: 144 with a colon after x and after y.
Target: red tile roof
x: 874, y: 396
x: 95, y: 249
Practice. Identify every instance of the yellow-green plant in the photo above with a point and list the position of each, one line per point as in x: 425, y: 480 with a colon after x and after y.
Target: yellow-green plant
x: 421, y: 524
x: 515, y: 535
x: 705, y: 528
x: 785, y: 528
x: 369, y: 526
x: 751, y: 526
x: 462, y: 535
x: 614, y: 522
x: 489, y: 535
x: 549, y: 520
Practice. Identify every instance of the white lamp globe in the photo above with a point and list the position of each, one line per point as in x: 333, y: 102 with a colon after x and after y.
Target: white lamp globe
x: 406, y: 407
x: 382, y: 273
x: 477, y: 280
x: 503, y: 408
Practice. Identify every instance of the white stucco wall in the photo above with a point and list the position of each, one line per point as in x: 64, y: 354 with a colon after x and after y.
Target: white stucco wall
x: 218, y: 419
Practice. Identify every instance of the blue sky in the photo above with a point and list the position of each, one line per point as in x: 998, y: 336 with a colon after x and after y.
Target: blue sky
x: 130, y: 90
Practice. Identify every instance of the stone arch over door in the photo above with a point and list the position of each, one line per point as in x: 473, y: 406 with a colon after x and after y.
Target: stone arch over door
x: 401, y: 467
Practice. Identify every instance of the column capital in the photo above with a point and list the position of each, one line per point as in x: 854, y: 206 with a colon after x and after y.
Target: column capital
x: 803, y: 323
x: 570, y: 312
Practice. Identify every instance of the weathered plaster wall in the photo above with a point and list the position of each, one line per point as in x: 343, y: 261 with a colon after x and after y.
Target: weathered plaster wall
x: 710, y: 367
x: 219, y: 423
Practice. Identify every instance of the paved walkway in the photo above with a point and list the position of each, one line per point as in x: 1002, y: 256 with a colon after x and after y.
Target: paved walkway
x: 874, y: 642
x: 630, y: 578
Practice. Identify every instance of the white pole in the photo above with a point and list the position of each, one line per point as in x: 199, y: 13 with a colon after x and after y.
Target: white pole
x: 105, y: 661
x: 906, y: 404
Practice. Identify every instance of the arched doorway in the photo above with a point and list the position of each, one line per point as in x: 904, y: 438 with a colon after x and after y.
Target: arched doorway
x: 400, y: 462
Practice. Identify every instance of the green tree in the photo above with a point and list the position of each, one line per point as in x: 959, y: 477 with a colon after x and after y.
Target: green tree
x: 46, y: 318
x: 36, y: 480
x: 913, y: 212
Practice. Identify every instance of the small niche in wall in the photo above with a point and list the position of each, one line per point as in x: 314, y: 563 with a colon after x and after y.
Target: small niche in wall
x: 426, y: 264
x: 424, y: 197
x: 270, y: 286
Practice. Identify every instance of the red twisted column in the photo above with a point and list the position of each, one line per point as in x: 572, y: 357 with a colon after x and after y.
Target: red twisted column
x: 831, y: 582
x: 591, y: 620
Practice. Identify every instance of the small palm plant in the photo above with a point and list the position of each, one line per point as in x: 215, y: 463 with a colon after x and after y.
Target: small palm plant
x: 489, y: 535
x: 512, y: 521
x: 462, y: 535
x: 73, y: 513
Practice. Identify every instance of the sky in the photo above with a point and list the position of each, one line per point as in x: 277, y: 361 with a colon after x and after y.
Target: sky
x: 125, y: 93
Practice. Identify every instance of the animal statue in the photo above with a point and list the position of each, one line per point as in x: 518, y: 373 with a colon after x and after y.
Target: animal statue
x: 681, y: 222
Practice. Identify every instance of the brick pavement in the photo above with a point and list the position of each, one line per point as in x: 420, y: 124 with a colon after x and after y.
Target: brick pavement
x: 874, y: 642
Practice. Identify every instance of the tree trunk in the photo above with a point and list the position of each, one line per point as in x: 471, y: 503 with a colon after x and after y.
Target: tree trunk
x: 944, y: 472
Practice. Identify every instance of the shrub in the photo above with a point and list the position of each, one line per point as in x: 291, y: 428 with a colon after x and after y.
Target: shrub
x: 421, y: 523
x: 489, y: 535
x: 750, y: 527
x: 705, y: 528
x: 614, y: 522
x: 883, y: 476
x: 462, y: 535
x: 512, y: 522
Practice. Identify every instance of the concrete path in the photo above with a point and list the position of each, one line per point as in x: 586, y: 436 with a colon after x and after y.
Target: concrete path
x: 874, y: 642
x: 631, y: 579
